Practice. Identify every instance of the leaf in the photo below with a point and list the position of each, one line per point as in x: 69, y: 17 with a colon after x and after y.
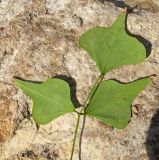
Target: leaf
x: 51, y: 99
x: 112, y: 47
x: 112, y: 100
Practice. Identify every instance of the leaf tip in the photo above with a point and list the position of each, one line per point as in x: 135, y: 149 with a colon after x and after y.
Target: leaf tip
x: 17, y: 82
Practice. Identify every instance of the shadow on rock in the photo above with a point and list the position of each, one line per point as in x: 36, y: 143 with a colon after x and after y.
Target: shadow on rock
x: 152, y: 141
x: 147, y: 44
x: 118, y: 3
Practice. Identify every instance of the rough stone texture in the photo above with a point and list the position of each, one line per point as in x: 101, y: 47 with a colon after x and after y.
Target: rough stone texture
x: 39, y: 40
x: 150, y: 5
x: 7, y: 109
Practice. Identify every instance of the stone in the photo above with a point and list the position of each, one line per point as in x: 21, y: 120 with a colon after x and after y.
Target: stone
x: 150, y: 5
x: 7, y: 109
x: 39, y: 40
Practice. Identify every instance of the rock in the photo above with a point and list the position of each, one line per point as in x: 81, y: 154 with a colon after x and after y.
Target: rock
x: 150, y: 5
x: 39, y: 40
x: 7, y: 109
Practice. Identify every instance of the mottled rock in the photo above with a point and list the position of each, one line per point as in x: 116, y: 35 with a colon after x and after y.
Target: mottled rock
x: 39, y: 40
x: 150, y: 5
x: 8, y: 108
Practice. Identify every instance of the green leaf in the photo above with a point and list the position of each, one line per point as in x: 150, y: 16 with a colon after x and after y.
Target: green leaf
x: 112, y: 101
x: 112, y: 47
x: 51, y: 99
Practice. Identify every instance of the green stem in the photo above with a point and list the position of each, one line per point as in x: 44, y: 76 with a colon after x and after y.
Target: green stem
x: 93, y: 90
x: 96, y: 84
x: 75, y: 135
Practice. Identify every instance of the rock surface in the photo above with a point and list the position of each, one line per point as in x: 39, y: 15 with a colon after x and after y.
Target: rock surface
x: 39, y: 40
x: 150, y: 5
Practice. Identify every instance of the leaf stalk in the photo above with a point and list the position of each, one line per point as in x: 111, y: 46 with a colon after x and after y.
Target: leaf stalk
x: 82, y: 111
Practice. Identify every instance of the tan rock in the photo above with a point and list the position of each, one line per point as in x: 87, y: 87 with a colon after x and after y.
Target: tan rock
x: 39, y: 40
x: 8, y: 108
x: 150, y: 5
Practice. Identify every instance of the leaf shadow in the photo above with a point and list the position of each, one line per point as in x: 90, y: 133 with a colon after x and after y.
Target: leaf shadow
x: 16, y: 77
x: 147, y: 44
x: 72, y: 83
x: 118, y: 3
x: 122, y: 4
x: 152, y: 140
x: 137, y: 79
x: 73, y: 87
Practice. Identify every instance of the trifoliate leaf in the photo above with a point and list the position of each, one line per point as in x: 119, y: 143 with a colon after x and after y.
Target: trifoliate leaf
x: 112, y: 101
x: 51, y: 99
x: 112, y: 47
